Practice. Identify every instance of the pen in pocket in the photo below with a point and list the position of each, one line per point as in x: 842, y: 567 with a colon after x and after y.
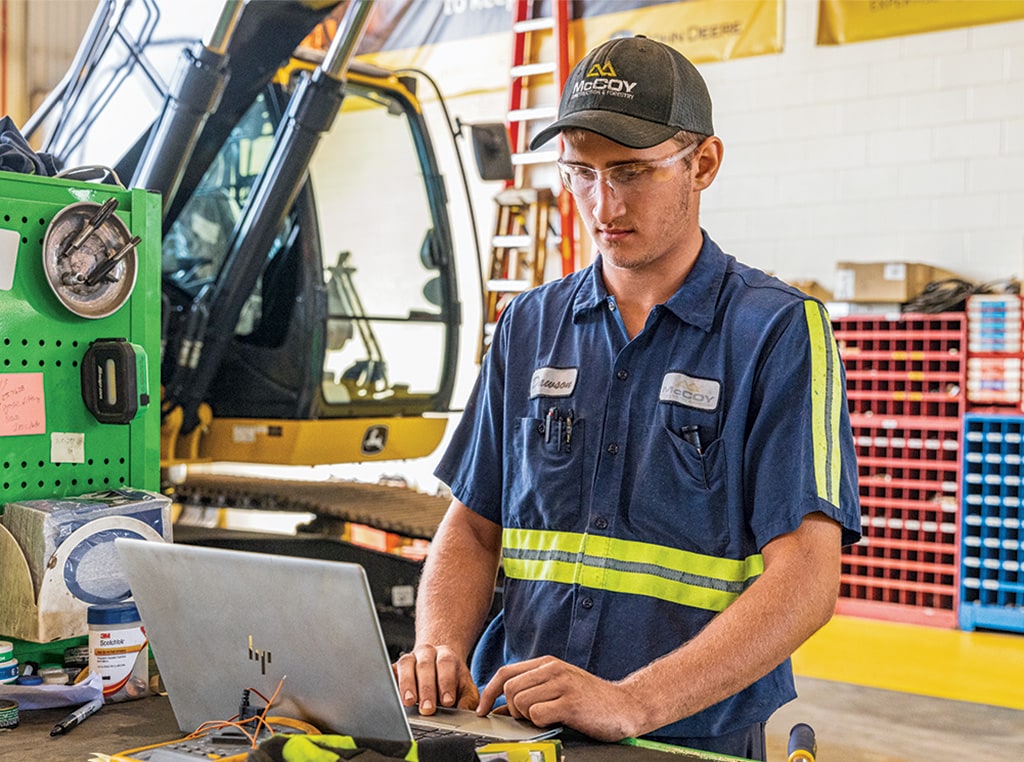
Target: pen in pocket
x: 691, y: 435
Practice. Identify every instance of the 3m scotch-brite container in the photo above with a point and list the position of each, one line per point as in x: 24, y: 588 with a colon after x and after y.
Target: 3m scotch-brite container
x: 118, y: 650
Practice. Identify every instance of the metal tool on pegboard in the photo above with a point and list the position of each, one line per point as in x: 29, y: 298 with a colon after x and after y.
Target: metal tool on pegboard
x: 90, y: 259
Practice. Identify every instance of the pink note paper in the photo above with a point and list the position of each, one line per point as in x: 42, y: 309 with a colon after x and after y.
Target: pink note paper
x: 22, y: 405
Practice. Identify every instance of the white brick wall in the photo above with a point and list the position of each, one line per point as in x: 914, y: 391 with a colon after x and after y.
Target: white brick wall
x: 906, y: 149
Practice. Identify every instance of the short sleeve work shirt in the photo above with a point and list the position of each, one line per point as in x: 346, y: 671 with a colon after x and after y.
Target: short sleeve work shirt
x: 636, y: 481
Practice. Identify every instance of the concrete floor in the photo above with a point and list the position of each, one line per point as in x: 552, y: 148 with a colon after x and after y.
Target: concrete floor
x: 859, y: 724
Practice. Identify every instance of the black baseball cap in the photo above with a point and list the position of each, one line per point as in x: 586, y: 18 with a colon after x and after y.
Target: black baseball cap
x: 635, y: 91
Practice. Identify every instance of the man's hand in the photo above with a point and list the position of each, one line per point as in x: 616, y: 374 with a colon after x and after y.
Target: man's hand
x: 548, y: 691
x: 435, y: 675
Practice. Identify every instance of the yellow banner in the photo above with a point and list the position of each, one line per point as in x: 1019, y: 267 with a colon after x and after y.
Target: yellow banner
x: 703, y: 30
x: 842, y: 21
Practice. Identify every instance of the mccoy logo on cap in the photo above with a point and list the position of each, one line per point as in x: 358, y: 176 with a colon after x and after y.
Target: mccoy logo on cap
x: 635, y: 91
x: 603, y: 79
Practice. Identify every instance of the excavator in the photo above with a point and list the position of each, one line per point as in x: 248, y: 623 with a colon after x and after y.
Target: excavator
x: 310, y: 302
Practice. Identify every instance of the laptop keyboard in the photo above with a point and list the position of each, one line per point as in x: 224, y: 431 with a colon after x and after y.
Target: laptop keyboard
x: 420, y: 733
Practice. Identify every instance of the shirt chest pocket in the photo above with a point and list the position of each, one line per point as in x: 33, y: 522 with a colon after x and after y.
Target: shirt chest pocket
x: 544, y: 471
x: 680, y: 487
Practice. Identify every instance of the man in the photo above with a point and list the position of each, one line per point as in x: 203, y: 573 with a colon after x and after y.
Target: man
x: 657, y: 452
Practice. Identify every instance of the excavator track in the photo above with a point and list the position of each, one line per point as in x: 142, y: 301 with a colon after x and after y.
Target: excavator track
x: 395, y: 509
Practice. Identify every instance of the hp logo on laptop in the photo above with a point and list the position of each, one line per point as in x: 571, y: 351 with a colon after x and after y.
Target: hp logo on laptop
x: 260, y: 655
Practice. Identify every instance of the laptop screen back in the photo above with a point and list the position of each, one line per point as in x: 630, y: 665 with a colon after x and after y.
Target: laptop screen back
x: 220, y: 621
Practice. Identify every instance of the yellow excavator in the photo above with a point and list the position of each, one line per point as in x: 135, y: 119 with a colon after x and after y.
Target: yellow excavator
x: 310, y: 306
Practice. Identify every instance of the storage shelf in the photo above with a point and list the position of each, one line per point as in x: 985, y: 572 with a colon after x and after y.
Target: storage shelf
x: 905, y: 388
x: 992, y: 541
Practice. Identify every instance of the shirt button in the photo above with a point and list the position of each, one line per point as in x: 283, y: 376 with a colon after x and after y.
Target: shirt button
x: 611, y: 305
x: 622, y: 375
x: 613, y: 449
x: 540, y: 428
x: 587, y: 603
x: 601, y: 523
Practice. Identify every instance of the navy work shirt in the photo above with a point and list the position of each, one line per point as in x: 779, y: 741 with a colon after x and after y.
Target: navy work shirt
x: 636, y: 481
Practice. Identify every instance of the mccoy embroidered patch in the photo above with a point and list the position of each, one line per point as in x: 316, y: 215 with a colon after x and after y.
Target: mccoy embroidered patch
x: 680, y: 389
x: 553, y: 382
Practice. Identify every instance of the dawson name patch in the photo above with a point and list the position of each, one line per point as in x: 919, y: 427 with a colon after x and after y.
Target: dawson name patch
x: 553, y: 382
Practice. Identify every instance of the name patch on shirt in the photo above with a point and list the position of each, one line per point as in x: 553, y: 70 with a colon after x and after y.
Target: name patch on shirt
x: 701, y: 393
x: 553, y: 382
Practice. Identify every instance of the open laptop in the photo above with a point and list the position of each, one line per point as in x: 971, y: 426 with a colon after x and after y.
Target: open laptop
x: 220, y: 621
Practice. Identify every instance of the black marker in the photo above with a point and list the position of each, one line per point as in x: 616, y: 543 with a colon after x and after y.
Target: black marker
x: 77, y: 717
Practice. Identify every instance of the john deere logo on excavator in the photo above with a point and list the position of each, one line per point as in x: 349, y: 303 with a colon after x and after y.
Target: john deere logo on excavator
x: 374, y: 440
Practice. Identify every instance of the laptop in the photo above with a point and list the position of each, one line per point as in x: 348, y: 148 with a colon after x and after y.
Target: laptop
x: 221, y: 621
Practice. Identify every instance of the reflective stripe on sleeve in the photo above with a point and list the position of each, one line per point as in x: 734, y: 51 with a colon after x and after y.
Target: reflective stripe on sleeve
x: 626, y: 566
x: 826, y: 402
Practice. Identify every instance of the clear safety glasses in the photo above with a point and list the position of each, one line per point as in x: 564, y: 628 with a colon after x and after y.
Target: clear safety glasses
x: 633, y: 178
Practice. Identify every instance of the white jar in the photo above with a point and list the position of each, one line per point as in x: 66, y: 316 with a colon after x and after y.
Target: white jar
x: 119, y: 650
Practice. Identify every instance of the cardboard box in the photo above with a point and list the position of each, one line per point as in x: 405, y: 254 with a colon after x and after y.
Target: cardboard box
x: 57, y: 558
x: 898, y: 282
x: 813, y: 289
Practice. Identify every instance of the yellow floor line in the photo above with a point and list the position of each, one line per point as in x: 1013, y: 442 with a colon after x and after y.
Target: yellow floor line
x: 980, y: 667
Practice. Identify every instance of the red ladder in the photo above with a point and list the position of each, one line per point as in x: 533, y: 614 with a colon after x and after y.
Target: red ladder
x: 525, y: 49
x: 524, y: 232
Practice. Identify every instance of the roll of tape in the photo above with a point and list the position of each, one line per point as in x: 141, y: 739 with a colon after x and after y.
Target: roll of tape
x: 6, y: 650
x: 8, y: 714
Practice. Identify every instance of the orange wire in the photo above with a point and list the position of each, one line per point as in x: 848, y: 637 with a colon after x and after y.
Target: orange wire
x: 210, y: 725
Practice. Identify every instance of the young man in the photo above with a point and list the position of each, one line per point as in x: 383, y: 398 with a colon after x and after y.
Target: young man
x: 657, y: 452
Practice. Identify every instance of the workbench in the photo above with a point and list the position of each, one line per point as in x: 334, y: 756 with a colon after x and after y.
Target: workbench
x: 132, y: 724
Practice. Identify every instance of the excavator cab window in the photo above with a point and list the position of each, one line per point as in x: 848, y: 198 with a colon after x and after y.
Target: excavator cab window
x: 197, y: 241
x: 385, y: 336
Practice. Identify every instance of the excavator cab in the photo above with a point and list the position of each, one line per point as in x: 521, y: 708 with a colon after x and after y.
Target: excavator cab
x: 348, y: 316
x: 310, y: 308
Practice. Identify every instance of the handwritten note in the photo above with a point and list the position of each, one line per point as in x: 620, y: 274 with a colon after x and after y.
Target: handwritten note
x: 67, y: 447
x: 22, y: 405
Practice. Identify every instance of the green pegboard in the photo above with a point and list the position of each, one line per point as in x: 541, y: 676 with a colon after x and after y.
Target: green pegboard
x: 42, y: 344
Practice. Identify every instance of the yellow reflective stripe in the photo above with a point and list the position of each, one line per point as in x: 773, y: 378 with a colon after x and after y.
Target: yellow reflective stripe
x: 627, y: 566
x: 826, y: 402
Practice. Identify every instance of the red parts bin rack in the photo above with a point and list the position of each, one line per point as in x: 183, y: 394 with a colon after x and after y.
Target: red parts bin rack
x: 992, y: 547
x: 905, y: 379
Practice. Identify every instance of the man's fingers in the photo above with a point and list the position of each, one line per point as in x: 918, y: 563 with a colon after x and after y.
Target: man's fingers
x: 434, y: 676
x: 509, y: 680
x: 405, y: 672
